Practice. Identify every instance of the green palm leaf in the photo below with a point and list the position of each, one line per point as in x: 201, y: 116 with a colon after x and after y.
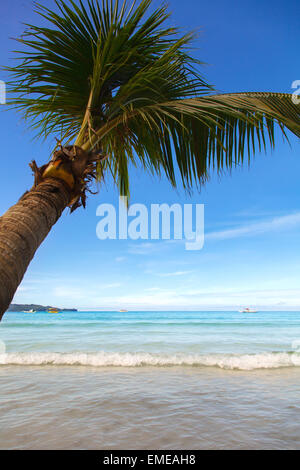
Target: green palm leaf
x: 110, y: 76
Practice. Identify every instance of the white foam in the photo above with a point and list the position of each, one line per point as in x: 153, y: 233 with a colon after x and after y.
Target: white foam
x: 106, y: 359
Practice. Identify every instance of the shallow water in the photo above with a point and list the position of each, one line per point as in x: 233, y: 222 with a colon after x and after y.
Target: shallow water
x: 150, y: 381
x: 148, y: 408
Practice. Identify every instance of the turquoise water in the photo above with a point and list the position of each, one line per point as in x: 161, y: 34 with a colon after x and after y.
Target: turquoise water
x: 230, y: 340
x: 150, y: 380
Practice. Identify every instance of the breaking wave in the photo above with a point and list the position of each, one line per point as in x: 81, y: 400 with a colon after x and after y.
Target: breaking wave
x: 272, y: 360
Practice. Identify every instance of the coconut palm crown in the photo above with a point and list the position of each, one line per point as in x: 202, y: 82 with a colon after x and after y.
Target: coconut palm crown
x: 117, y: 82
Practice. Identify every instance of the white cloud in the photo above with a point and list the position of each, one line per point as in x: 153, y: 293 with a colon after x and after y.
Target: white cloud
x: 223, y: 299
x: 147, y: 248
x: 69, y: 293
x: 141, y: 248
x: 174, y: 273
x: 277, y: 223
x: 110, y: 286
x: 23, y: 289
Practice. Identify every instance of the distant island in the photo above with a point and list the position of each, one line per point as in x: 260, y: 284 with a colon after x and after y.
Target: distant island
x: 37, y: 308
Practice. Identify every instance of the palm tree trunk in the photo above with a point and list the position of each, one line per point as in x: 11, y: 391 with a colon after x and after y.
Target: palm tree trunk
x: 23, y: 228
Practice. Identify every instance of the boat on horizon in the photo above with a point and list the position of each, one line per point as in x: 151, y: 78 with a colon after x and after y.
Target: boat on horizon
x: 123, y: 310
x: 53, y: 310
x: 248, y: 310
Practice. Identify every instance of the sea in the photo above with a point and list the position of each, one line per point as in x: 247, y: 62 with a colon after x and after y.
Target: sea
x: 150, y: 380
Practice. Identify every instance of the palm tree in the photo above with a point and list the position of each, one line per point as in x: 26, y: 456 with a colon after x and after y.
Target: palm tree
x: 117, y: 86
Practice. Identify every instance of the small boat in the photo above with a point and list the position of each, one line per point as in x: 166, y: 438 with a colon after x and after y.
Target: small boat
x: 30, y: 311
x: 123, y: 310
x: 53, y: 310
x: 248, y: 310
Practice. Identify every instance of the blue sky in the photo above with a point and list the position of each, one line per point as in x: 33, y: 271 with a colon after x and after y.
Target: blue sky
x: 251, y: 254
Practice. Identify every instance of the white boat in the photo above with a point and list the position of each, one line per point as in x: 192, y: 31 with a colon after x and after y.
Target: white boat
x: 30, y: 311
x: 248, y: 310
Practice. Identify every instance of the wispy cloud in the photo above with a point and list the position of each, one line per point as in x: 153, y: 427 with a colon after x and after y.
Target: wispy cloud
x: 24, y: 289
x: 119, y: 259
x: 223, y: 299
x: 282, y: 222
x: 153, y: 289
x: 152, y: 246
x: 110, y: 286
x: 174, y: 273
x: 68, y: 292
x: 143, y: 248
x: 277, y: 223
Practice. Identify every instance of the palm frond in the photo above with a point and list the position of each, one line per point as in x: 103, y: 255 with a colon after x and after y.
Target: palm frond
x: 113, y: 77
x: 199, y: 134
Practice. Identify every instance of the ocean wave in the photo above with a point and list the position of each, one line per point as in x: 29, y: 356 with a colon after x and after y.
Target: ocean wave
x: 272, y: 360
